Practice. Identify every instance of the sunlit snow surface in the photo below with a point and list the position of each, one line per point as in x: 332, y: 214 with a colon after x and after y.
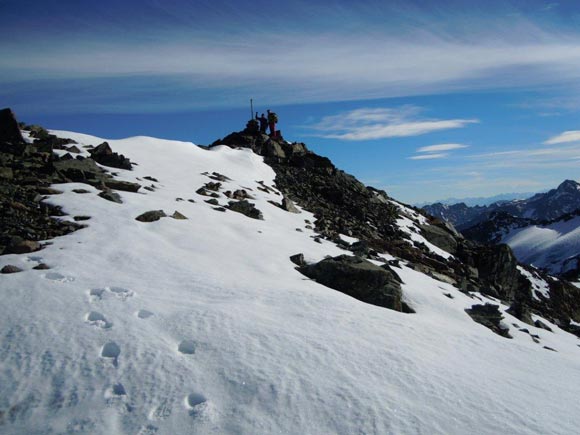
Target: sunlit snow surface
x: 204, y: 326
x: 547, y: 246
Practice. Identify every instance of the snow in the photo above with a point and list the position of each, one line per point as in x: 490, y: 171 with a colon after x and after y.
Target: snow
x: 539, y: 285
x: 408, y: 222
x: 204, y: 326
x: 551, y: 247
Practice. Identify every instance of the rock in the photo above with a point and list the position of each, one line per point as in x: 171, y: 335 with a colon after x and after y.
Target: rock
x: 521, y: 311
x: 179, y: 216
x: 9, y: 129
x: 82, y: 171
x: 238, y: 194
x: 151, y: 216
x: 6, y: 173
x: 81, y: 191
x: 104, y: 155
x: 440, y: 237
x: 489, y: 316
x: 81, y: 218
x: 41, y: 266
x: 246, y: 208
x: 298, y: 259
x: 10, y: 269
x: 23, y: 247
x: 212, y: 201
x: 542, y: 325
x: 125, y: 186
x: 73, y: 149
x: 48, y: 191
x: 358, y: 278
x: 288, y: 205
x: 109, y: 195
x: 155, y: 180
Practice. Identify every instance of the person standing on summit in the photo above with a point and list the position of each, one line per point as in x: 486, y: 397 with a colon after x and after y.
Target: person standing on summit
x: 263, y: 123
x: 272, y: 120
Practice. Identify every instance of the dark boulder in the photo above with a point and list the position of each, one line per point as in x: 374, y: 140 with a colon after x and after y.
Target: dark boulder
x: 81, y: 171
x: 9, y: 129
x: 151, y: 216
x: 109, y: 195
x: 125, y: 186
x: 245, y: 208
x: 358, y: 278
x: 298, y: 259
x: 440, y: 237
x: 23, y: 247
x: 489, y: 316
x: 10, y: 269
x: 104, y: 155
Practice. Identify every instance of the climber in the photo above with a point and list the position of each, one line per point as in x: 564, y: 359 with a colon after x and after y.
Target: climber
x: 272, y: 120
x: 263, y: 123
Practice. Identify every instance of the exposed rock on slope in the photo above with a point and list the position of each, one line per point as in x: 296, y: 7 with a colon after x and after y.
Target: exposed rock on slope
x: 26, y: 172
x: 344, y: 206
x: 360, y: 279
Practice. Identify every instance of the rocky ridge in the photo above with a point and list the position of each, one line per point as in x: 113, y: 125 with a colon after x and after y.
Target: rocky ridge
x: 27, y: 170
x: 344, y: 206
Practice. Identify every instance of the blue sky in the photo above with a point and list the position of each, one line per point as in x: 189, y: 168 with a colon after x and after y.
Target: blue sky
x: 424, y: 99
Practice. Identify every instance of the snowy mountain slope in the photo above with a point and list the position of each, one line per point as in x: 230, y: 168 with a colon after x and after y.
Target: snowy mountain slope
x: 93, y: 344
x: 555, y: 247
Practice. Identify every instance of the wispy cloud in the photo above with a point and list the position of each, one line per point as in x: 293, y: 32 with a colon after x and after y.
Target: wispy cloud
x: 381, y: 123
x: 429, y: 156
x: 566, y: 137
x: 318, y: 60
x: 441, y: 147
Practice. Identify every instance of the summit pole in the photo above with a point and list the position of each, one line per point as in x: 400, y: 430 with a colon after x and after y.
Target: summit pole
x: 251, y: 108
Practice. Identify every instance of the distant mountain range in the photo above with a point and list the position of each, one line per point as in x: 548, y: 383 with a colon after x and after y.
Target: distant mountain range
x: 543, y: 230
x: 479, y: 200
x: 539, y: 207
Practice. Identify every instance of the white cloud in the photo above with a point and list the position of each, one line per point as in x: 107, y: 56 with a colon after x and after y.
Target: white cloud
x: 429, y: 156
x: 567, y: 136
x: 304, y: 66
x: 441, y: 147
x: 381, y: 123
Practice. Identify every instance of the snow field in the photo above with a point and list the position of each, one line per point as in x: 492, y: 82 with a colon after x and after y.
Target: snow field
x: 204, y: 326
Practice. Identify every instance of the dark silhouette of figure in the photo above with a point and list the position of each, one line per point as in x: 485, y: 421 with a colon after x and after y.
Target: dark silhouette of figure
x: 263, y: 123
x: 272, y: 120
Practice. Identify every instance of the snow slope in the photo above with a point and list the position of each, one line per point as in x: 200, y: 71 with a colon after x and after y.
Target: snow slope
x: 551, y: 246
x: 204, y: 326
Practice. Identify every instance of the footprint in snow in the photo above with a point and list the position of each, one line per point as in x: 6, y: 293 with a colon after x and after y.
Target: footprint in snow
x: 144, y: 314
x: 97, y: 319
x: 121, y: 293
x: 162, y: 411
x: 187, y: 347
x: 96, y: 294
x: 148, y: 430
x: 194, y: 401
x: 57, y: 277
x: 111, y: 351
x: 116, y: 396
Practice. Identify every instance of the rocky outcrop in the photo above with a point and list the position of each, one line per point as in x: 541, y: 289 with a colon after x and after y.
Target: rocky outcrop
x: 489, y: 316
x: 246, y: 208
x: 9, y: 129
x: 360, y: 279
x: 104, y: 155
x: 151, y: 216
